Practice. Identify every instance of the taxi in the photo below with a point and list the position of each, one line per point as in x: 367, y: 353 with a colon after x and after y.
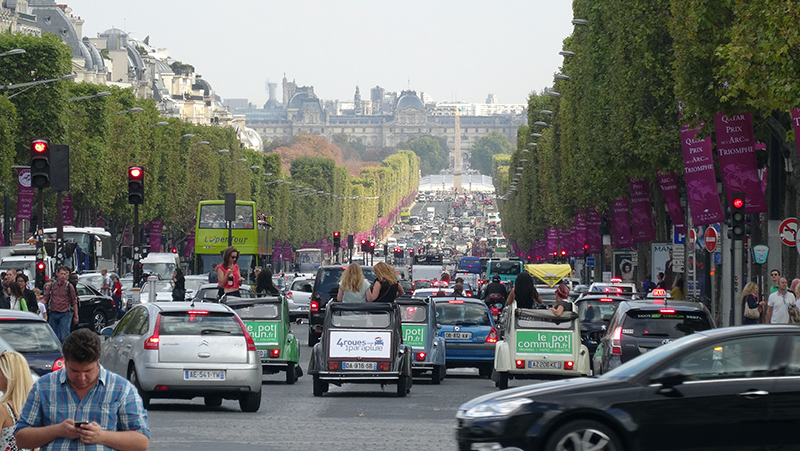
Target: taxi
x: 267, y: 321
x: 420, y: 332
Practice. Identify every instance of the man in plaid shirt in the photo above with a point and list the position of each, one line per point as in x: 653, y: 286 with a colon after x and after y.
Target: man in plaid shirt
x: 82, y: 406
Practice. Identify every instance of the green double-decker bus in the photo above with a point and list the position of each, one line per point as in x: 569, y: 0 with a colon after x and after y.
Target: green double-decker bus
x: 211, y: 237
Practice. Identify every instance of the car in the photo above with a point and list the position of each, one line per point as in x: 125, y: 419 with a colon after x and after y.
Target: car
x: 420, y: 332
x: 326, y: 288
x: 595, y: 312
x: 710, y: 390
x: 418, y: 284
x: 163, y: 291
x: 183, y: 350
x: 469, y: 332
x: 362, y: 342
x: 31, y: 336
x: 95, y: 311
x: 615, y: 287
x: 266, y: 319
x: 94, y: 279
x: 192, y: 283
x: 424, y: 293
x: 298, y: 295
x: 638, y: 327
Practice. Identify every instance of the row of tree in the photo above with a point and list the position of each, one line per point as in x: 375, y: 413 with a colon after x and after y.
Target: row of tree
x: 184, y: 163
x: 640, y: 70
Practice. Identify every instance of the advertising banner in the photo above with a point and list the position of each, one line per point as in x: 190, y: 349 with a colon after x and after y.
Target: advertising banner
x: 661, y: 259
x: 542, y: 342
x: 737, y: 159
x: 414, y: 335
x: 641, y: 211
x: 622, y: 223
x: 365, y: 344
x: 155, y: 236
x: 701, y: 181
x: 263, y: 332
x: 796, y: 126
x: 625, y: 265
x: 580, y: 231
x: 552, y: 242
x: 127, y: 236
x: 593, y: 238
x: 24, y: 197
x: 67, y: 212
x: 669, y: 188
x: 189, y: 245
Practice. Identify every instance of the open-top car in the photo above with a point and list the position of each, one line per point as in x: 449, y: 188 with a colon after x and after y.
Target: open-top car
x: 361, y: 343
x: 420, y: 331
x: 267, y: 321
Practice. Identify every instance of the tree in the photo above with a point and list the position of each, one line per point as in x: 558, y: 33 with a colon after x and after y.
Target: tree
x: 429, y: 151
x: 484, y: 148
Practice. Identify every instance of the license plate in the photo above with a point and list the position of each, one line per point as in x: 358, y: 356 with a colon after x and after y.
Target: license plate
x: 203, y: 375
x: 359, y: 366
x: 263, y: 353
x: 301, y: 308
x: 458, y: 335
x: 544, y: 365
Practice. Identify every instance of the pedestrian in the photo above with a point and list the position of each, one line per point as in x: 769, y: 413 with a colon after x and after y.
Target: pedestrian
x: 15, y: 383
x: 781, y: 304
x: 794, y: 286
x: 42, y: 307
x: 105, y: 290
x: 61, y: 300
x: 108, y: 407
x: 648, y: 285
x: 213, y: 277
x: 116, y: 296
x: 678, y: 293
x: 354, y: 286
x: 73, y: 278
x: 458, y: 290
x: 775, y: 274
x: 9, y: 278
x: 30, y: 297
x: 228, y: 273
x: 386, y: 287
x: 178, y: 286
x: 524, y: 292
x: 496, y: 288
x: 561, y: 305
x: 750, y: 301
x: 16, y: 298
x: 660, y: 283
x: 264, y: 283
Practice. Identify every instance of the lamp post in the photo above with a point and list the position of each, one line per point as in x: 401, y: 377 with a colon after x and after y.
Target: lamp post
x: 13, y: 52
x: 99, y: 94
x: 132, y: 110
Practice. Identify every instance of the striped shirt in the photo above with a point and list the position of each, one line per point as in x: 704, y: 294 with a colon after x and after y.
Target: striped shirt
x: 113, y: 403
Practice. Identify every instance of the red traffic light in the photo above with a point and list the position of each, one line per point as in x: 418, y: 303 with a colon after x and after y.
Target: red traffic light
x: 738, y: 202
x: 371, y: 244
x: 39, y: 145
x: 336, y: 233
x: 363, y: 241
x: 40, y: 266
x: 135, y: 172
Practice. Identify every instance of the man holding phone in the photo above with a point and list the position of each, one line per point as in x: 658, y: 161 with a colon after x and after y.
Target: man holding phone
x: 83, y: 404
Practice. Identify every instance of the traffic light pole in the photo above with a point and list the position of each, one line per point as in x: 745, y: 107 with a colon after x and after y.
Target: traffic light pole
x: 60, y: 232
x: 39, y: 226
x: 736, y: 286
x: 137, y: 248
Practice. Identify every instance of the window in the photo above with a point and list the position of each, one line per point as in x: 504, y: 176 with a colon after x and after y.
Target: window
x: 199, y: 323
x: 466, y: 314
x: 29, y: 336
x: 259, y: 311
x: 413, y: 314
x: 733, y: 359
x: 793, y: 367
x: 360, y: 319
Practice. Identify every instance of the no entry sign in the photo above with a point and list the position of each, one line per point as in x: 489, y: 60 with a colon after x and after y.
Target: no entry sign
x: 711, y: 238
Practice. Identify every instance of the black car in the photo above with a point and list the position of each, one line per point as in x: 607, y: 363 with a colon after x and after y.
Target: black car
x: 30, y: 335
x: 711, y: 390
x: 641, y: 326
x: 326, y: 288
x: 95, y: 311
x: 594, y: 313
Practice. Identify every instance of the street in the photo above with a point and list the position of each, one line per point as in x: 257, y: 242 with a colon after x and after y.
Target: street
x: 346, y: 418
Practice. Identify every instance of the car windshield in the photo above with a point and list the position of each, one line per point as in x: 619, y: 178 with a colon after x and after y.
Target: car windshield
x: 413, y: 314
x: 29, y: 337
x: 360, y: 319
x: 199, y: 322
x: 422, y: 284
x: 664, y: 323
x: 258, y: 311
x: 460, y: 313
x: 596, y: 310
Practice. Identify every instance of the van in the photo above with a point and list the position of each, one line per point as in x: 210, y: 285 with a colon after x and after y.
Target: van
x: 161, y: 263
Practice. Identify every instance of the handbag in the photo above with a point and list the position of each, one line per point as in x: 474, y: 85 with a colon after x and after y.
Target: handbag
x: 794, y: 313
x: 751, y: 313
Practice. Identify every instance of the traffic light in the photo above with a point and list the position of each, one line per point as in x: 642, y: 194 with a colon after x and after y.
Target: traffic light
x: 40, y: 163
x: 372, y: 247
x: 135, y: 185
x: 738, y: 223
x: 40, y: 274
x: 337, y: 239
x: 349, y: 241
x: 398, y: 253
x: 364, y: 246
x: 411, y: 252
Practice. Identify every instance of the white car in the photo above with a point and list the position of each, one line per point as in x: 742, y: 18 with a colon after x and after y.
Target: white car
x: 298, y: 296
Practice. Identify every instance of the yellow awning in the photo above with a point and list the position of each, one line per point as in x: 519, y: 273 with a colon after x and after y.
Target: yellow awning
x: 549, y: 273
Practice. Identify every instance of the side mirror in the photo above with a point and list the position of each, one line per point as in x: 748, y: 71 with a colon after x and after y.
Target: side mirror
x: 107, y: 331
x: 671, y: 377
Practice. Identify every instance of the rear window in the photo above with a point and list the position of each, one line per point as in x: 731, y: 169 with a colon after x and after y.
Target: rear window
x: 658, y: 324
x: 413, y: 314
x: 458, y: 314
x: 199, y: 322
x: 613, y: 290
x: 29, y: 337
x: 532, y: 322
x: 259, y: 311
x: 329, y: 282
x: 361, y: 319
x: 596, y: 310
x: 509, y: 268
x: 303, y: 285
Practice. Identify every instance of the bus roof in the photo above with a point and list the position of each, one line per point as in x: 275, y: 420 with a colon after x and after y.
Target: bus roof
x: 88, y: 230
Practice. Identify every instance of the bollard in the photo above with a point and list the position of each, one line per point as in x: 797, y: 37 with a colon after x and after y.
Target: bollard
x: 151, y: 286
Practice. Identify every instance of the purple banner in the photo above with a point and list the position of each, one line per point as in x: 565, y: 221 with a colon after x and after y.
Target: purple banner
x: 189, y: 245
x: 155, y: 236
x: 67, y: 212
x: 701, y: 181
x: 24, y: 197
x: 622, y: 223
x: 580, y: 231
x: 796, y: 126
x: 127, y: 236
x: 593, y: 238
x: 287, y: 252
x: 669, y: 188
x: 641, y: 211
x: 737, y: 159
x: 552, y: 242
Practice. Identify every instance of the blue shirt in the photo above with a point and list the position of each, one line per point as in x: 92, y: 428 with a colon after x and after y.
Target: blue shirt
x: 113, y: 403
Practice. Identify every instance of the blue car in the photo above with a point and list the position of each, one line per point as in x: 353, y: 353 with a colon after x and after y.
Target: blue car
x: 420, y: 332
x: 469, y: 332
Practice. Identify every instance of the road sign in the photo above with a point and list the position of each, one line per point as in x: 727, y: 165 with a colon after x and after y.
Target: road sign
x: 788, y: 232
x: 717, y: 258
x: 677, y: 238
x: 589, y: 261
x: 692, y: 238
x: 711, y: 239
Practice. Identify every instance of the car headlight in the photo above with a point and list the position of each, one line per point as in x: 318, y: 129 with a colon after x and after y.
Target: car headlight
x: 496, y: 409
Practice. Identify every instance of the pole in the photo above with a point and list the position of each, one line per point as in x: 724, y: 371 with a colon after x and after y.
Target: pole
x: 230, y: 233
x: 40, y: 226
x: 736, y: 306
x: 137, y: 249
x: 7, y: 219
x: 60, y: 232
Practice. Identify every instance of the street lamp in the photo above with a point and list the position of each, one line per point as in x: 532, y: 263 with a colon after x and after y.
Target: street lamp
x: 561, y: 77
x: 541, y: 123
x: 160, y: 124
x: 545, y: 112
x: 553, y: 93
x: 13, y: 52
x: 240, y: 160
x: 223, y: 151
x: 132, y: 110
x: 566, y: 53
x: 188, y: 135
x: 201, y: 143
x: 580, y: 22
x: 99, y: 94
x: 537, y: 135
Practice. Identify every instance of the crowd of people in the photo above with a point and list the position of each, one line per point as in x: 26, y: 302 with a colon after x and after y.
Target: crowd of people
x: 781, y: 306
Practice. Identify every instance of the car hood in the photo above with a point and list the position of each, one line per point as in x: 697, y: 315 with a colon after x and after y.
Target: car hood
x: 546, y: 389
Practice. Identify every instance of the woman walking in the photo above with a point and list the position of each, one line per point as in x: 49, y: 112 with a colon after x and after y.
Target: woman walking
x: 229, y: 277
x: 354, y: 286
x: 16, y: 298
x: 15, y: 383
x: 386, y: 287
x: 178, y: 286
x: 750, y: 302
x: 116, y: 296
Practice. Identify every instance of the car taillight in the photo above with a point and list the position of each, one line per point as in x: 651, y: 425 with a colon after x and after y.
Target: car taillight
x: 421, y: 356
x: 314, y: 307
x: 333, y: 366
x: 667, y: 311
x: 492, y: 338
x: 384, y: 367
x: 289, y: 296
x: 520, y: 364
x: 275, y: 353
x: 569, y: 364
x: 58, y: 364
x: 495, y: 311
x: 152, y: 341
x: 469, y: 294
x: 616, y: 349
x: 251, y: 345
x: 455, y: 302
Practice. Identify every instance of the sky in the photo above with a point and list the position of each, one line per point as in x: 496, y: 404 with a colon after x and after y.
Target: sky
x: 453, y: 50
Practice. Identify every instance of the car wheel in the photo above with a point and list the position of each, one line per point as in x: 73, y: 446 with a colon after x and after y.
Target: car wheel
x: 319, y: 386
x: 312, y: 338
x: 250, y: 402
x: 402, y: 386
x: 98, y: 321
x: 485, y: 371
x: 584, y: 435
x: 502, y: 380
x: 291, y: 376
x: 213, y: 401
x: 134, y: 379
x: 436, y: 375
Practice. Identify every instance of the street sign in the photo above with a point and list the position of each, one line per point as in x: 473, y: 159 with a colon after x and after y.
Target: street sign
x: 692, y: 238
x: 711, y: 239
x: 788, y: 232
x: 677, y: 238
x: 589, y: 261
x: 717, y: 258
x: 760, y: 254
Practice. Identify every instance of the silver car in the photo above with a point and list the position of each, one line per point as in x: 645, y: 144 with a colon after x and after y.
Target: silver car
x: 179, y: 350
x: 298, y: 296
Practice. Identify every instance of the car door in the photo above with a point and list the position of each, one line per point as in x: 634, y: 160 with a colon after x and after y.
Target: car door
x: 132, y: 340
x: 785, y: 396
x: 110, y: 353
x: 725, y: 398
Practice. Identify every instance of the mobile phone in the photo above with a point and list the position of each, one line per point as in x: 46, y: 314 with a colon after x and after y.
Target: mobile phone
x: 80, y: 423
